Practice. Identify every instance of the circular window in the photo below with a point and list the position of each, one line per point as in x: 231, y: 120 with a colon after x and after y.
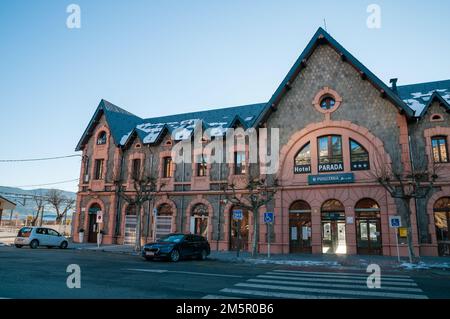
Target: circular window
x: 327, y: 103
x: 327, y: 100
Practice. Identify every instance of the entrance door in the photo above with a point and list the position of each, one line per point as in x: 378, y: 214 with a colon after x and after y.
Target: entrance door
x: 241, y: 228
x: 130, y: 230
x: 92, y: 235
x: 368, y: 237
x: 368, y: 227
x: 300, y: 228
x: 333, y: 228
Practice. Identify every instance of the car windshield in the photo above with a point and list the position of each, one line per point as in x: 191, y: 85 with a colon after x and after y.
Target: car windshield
x: 171, y: 239
x: 24, y: 232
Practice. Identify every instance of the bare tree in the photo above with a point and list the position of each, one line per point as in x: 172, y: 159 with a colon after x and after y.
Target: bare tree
x: 410, y: 183
x: 144, y: 189
x: 60, y: 203
x: 39, y: 206
x: 257, y: 193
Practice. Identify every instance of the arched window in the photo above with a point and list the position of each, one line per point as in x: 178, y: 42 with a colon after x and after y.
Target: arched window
x: 303, y: 160
x: 359, y: 157
x: 330, y: 153
x: 101, y: 138
x: 442, y: 221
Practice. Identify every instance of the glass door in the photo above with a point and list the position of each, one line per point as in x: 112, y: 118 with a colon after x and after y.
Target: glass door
x: 368, y: 236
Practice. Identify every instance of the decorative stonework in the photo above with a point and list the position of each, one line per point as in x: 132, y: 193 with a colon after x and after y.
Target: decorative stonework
x: 324, y: 93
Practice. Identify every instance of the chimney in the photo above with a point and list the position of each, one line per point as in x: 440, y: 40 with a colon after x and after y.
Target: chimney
x: 394, y: 85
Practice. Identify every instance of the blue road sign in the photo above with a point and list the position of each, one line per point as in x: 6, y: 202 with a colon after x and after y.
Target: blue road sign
x: 268, y: 218
x: 237, y: 214
x: 395, y: 221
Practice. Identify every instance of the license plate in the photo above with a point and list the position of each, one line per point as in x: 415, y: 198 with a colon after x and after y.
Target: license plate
x: 149, y: 253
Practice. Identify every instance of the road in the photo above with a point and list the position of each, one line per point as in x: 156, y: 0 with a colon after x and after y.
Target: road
x: 41, y: 273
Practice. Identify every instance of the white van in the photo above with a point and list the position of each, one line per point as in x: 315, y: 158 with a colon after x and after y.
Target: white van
x: 40, y: 236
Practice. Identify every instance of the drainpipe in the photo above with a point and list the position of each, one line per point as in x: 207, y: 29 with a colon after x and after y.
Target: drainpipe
x: 220, y: 207
x: 182, y: 198
x: 415, y: 199
x: 118, y: 212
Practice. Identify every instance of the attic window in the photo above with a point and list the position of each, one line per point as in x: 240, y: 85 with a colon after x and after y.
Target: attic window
x: 138, y: 145
x: 168, y: 143
x: 101, y: 138
x: 437, y: 118
x: 327, y: 100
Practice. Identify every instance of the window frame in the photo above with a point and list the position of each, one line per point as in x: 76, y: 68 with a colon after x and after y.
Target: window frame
x: 136, y: 169
x: 439, y: 153
x: 303, y: 168
x: 352, y: 162
x: 240, y: 168
x: 330, y: 154
x: 167, y: 167
x: 98, y: 169
x: 102, y: 141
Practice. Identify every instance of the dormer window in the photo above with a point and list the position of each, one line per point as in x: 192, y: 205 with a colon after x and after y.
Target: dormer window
x: 101, y: 138
x: 437, y: 118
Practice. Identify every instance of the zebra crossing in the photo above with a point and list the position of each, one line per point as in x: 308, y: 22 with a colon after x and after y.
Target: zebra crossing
x: 292, y: 284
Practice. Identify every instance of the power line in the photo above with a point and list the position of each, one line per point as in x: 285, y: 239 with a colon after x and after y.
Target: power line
x: 38, y: 159
x: 48, y: 184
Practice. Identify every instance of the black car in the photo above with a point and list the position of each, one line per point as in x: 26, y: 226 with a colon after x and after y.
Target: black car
x: 177, y: 246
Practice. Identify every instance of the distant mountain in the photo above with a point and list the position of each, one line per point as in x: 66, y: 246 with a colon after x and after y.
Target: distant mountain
x: 29, y: 207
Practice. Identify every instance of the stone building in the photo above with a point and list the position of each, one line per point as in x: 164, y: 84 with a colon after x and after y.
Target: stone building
x: 338, y: 123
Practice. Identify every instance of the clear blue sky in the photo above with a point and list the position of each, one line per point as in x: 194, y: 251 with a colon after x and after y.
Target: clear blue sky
x: 160, y: 57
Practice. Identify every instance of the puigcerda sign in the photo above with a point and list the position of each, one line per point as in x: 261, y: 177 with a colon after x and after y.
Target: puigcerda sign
x: 345, y: 178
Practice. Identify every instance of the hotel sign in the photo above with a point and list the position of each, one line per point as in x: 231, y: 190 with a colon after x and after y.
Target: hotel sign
x: 337, y: 167
x: 302, y: 169
x: 346, y: 178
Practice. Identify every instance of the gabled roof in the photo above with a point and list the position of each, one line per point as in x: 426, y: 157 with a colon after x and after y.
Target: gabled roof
x: 322, y: 37
x: 420, y: 96
x: 119, y: 121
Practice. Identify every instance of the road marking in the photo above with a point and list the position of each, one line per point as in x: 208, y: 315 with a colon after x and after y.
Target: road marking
x: 274, y: 294
x: 314, y: 284
x: 347, y: 281
x: 335, y: 291
x: 336, y: 273
x: 219, y: 297
x: 338, y: 277
x: 187, y: 273
x: 150, y: 270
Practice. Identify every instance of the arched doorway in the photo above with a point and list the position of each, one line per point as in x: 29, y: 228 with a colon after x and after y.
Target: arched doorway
x: 333, y: 227
x: 199, y: 220
x: 93, y: 226
x: 441, y: 211
x: 368, y: 227
x: 239, y: 230
x: 130, y: 225
x: 163, y: 221
x: 300, y: 227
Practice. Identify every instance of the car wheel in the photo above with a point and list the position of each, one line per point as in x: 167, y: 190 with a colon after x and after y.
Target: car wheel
x: 34, y: 244
x: 18, y: 246
x: 148, y: 258
x: 63, y: 245
x: 175, y: 255
x: 203, y: 255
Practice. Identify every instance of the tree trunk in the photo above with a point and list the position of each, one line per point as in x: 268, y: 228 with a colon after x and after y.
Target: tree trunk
x: 412, y: 255
x: 255, y: 232
x: 137, y: 245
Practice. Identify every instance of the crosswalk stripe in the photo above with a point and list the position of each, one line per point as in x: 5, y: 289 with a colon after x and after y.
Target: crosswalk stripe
x: 347, y: 281
x: 274, y: 294
x: 329, y: 285
x: 219, y: 297
x: 335, y: 273
x: 338, y: 277
x: 335, y: 291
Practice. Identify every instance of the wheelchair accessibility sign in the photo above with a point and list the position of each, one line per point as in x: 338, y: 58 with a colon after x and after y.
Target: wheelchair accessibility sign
x: 268, y: 218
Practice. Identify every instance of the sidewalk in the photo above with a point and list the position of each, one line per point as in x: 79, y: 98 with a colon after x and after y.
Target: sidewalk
x: 354, y: 262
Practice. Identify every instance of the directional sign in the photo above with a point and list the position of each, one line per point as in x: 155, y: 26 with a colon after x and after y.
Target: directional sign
x: 395, y: 221
x: 268, y: 218
x: 237, y: 214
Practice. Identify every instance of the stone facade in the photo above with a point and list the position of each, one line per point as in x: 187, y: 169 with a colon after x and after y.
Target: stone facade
x: 364, y: 115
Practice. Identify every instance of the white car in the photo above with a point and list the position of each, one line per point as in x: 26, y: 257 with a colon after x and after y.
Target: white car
x: 40, y: 236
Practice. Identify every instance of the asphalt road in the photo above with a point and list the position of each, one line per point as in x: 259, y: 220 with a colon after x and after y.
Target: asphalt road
x: 42, y: 273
